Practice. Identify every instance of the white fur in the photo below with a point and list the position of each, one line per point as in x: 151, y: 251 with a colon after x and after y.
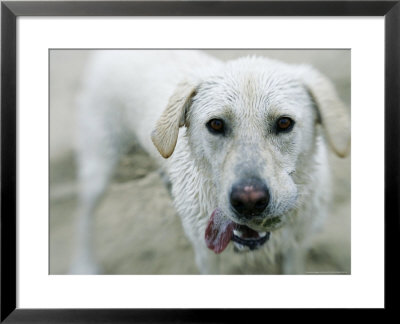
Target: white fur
x: 167, y: 97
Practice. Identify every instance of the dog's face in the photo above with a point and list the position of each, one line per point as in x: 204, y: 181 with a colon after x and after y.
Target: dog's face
x: 252, y: 125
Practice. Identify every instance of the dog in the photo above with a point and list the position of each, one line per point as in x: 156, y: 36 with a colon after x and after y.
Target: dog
x: 244, y: 145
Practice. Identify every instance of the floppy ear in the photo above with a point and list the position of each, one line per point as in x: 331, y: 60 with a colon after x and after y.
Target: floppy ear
x: 334, y: 115
x: 165, y: 135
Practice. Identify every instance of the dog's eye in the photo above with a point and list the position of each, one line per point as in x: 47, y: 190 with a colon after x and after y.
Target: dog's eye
x: 284, y: 124
x: 216, y: 126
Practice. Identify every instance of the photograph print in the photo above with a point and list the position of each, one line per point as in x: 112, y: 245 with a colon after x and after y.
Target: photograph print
x: 225, y: 161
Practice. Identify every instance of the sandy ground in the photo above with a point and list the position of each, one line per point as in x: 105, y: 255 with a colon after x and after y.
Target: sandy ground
x: 137, y: 230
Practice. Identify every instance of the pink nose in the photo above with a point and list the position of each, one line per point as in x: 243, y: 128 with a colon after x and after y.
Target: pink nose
x: 249, y: 197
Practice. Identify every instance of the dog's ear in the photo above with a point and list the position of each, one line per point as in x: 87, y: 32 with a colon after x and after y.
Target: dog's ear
x: 334, y: 115
x: 165, y: 134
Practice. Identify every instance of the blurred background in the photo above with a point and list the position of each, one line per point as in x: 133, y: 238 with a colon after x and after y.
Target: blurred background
x: 137, y: 230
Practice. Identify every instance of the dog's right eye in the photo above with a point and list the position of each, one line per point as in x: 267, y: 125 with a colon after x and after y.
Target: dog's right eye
x: 216, y: 126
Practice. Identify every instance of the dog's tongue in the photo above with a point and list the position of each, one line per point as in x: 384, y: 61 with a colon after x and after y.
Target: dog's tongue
x: 219, y: 231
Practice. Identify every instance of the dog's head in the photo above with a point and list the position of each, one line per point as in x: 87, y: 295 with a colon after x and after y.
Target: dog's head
x: 255, y: 127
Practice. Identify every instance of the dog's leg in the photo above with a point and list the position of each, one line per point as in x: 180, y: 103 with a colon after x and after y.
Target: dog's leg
x: 98, y: 151
x: 207, y: 262
x: 294, y: 261
x: 94, y: 176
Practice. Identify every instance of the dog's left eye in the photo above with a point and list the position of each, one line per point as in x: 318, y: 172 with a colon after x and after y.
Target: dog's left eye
x: 284, y: 124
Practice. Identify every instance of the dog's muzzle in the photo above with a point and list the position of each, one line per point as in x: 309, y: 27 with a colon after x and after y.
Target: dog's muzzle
x: 245, y: 238
x: 221, y: 230
x: 249, y: 198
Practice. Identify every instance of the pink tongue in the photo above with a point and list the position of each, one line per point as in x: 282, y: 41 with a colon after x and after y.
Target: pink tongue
x: 219, y: 231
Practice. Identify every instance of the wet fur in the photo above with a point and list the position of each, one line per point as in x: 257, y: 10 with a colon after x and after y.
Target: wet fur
x: 163, y: 99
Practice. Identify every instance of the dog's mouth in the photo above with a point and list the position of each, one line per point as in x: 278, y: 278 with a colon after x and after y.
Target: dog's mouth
x: 220, y: 231
x: 244, y: 237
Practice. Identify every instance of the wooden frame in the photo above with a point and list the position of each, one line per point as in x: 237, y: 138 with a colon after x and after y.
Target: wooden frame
x: 9, y: 13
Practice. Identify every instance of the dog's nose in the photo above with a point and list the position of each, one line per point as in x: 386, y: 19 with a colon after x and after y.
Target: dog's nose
x: 249, y: 197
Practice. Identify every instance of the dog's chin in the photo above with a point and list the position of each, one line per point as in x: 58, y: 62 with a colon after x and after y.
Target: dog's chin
x: 254, y: 234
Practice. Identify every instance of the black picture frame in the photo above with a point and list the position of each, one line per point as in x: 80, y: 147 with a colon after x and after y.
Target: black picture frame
x: 10, y: 11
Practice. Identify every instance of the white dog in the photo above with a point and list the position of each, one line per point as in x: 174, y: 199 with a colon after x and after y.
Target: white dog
x: 243, y: 143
